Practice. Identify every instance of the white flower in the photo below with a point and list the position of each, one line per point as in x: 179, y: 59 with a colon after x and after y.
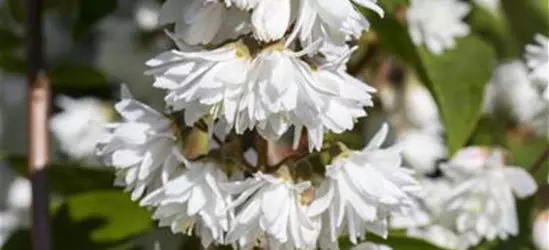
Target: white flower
x: 426, y: 206
x: 272, y: 207
x: 142, y: 147
x: 437, y: 23
x: 204, y: 21
x: 271, y: 19
x: 484, y: 198
x: 80, y: 126
x: 540, y: 230
x: 422, y: 150
x: 269, y: 92
x: 370, y: 246
x: 193, y: 200
x: 365, y: 187
x: 511, y: 89
x: 537, y: 57
x: 427, y: 219
x: 15, y: 214
x: 335, y: 22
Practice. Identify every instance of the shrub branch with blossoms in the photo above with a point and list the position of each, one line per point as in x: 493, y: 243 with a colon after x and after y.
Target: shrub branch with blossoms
x: 243, y: 74
x: 300, y: 124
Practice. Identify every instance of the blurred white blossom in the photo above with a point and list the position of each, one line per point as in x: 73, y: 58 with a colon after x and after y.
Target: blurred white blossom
x: 537, y: 59
x: 414, y: 113
x: 484, y: 198
x: 193, y: 201
x: 142, y: 147
x: 511, y: 90
x: 146, y: 15
x: 80, y: 125
x: 437, y: 24
x: 15, y: 215
x: 371, y: 246
x: 540, y: 230
x: 364, y: 188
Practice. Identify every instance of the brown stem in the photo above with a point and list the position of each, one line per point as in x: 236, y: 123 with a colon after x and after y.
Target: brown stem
x: 38, y: 109
x: 539, y: 163
x: 262, y: 153
x: 297, y: 158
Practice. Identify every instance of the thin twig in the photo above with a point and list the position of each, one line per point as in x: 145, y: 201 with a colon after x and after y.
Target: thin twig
x: 38, y: 109
x: 296, y: 158
x: 538, y: 164
x: 262, y: 153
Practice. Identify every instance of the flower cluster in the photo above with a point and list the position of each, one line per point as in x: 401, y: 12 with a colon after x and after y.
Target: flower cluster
x: 475, y: 200
x: 253, y: 73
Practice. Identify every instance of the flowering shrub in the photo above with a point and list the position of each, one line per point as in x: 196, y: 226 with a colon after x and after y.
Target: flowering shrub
x: 268, y: 134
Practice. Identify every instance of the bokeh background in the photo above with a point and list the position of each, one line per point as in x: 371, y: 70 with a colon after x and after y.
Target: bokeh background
x: 92, y: 46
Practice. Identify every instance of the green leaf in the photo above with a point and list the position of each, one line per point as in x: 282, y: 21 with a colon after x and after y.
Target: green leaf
x: 9, y: 40
x: 397, y: 242
x: 91, y: 221
x: 77, y: 79
x: 123, y: 218
x: 69, y: 177
x: 11, y: 62
x: 495, y: 29
x: 526, y: 152
x: 458, y: 80
x: 89, y: 13
x: 526, y: 18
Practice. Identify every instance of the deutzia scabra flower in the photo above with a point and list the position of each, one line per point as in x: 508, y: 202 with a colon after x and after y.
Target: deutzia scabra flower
x: 537, y: 57
x: 204, y: 21
x: 484, y: 198
x: 365, y: 187
x: 437, y: 23
x: 333, y: 22
x: 142, y: 147
x: 80, y: 125
x: 270, y: 91
x: 274, y: 208
x: 193, y: 200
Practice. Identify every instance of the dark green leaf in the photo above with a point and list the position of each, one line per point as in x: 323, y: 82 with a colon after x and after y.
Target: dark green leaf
x: 459, y: 77
x: 397, y: 242
x: 527, y: 17
x: 11, y: 62
x: 9, y: 40
x: 77, y: 79
x: 69, y: 178
x: 89, y: 13
x: 527, y: 152
x: 122, y: 217
x: 91, y: 221
x: 495, y: 29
